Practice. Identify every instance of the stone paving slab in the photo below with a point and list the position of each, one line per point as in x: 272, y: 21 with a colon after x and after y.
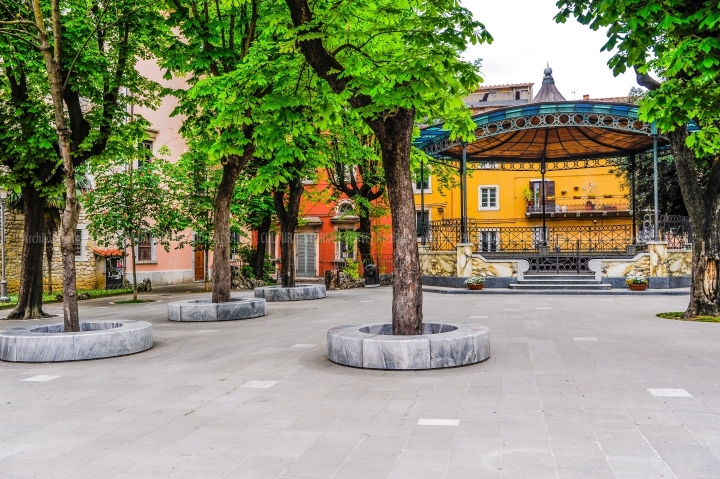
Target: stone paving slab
x: 253, y: 399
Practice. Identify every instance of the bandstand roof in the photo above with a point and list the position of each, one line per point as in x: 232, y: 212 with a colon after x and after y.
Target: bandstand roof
x: 553, y: 131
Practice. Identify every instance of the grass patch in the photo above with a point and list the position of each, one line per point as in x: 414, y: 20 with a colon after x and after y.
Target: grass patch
x: 128, y: 301
x: 52, y: 297
x: 678, y: 315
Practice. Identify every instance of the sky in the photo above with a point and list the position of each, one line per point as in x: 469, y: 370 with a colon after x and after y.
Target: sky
x: 526, y: 38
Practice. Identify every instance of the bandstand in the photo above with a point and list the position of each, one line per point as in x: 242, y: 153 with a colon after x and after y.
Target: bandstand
x: 547, y: 136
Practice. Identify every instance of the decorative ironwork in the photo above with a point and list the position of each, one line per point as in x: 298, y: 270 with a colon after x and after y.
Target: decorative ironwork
x: 624, y: 118
x: 445, y: 234
x: 579, y: 204
x: 558, y: 264
x: 676, y: 230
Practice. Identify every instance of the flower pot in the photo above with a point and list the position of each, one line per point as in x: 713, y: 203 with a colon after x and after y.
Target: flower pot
x: 638, y: 287
x: 475, y: 286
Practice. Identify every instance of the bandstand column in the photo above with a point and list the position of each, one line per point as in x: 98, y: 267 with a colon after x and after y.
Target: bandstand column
x: 463, y: 196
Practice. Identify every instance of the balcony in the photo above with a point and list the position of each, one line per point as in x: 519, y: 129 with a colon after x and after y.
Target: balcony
x: 580, y: 207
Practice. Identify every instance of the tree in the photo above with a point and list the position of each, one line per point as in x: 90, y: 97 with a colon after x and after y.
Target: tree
x: 394, y: 63
x: 356, y: 171
x: 286, y: 198
x: 79, y: 55
x: 223, y: 48
x: 678, y: 41
x: 132, y: 204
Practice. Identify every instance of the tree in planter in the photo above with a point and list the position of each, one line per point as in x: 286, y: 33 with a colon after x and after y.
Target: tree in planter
x: 679, y: 41
x: 394, y: 63
x: 85, y: 53
x: 131, y: 205
x: 225, y: 50
x: 256, y: 213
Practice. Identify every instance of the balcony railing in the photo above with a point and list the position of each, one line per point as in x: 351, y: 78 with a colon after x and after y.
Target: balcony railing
x: 578, y: 204
x: 443, y: 235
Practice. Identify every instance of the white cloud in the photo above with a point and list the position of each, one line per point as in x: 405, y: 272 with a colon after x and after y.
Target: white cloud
x: 527, y: 37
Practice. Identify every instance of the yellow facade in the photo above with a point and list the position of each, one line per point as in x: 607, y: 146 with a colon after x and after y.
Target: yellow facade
x: 583, y: 197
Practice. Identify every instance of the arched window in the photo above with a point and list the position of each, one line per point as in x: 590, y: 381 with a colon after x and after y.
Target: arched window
x: 345, y: 208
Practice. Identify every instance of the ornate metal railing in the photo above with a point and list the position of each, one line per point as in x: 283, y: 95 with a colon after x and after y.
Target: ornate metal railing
x: 674, y: 229
x: 445, y: 234
x: 578, y: 204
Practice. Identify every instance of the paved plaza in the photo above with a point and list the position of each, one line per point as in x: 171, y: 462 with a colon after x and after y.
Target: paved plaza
x: 577, y: 387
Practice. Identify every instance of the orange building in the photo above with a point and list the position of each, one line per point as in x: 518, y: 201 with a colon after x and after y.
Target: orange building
x: 318, y: 246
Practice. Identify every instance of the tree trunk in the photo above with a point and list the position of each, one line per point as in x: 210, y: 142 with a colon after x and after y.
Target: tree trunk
x: 288, y: 216
x: 134, y: 269
x: 260, y: 251
x: 703, y: 205
x: 365, y: 236
x: 395, y: 136
x: 29, y: 305
x: 49, y: 256
x: 221, y: 252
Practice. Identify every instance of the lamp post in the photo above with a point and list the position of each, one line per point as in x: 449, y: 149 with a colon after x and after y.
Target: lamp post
x: 3, y: 283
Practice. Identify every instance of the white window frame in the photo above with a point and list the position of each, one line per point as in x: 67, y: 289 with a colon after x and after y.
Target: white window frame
x: 497, y: 198
x: 153, y: 257
x: 83, y: 243
x: 497, y: 239
x: 343, y: 203
x: 417, y: 190
x: 429, y: 214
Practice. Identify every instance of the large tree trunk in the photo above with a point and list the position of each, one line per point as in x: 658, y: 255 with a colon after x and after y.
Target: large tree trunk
x: 365, y: 236
x: 49, y: 251
x: 134, y: 268
x: 288, y: 216
x: 703, y: 205
x: 221, y: 251
x: 29, y: 304
x: 395, y: 136
x: 262, y: 242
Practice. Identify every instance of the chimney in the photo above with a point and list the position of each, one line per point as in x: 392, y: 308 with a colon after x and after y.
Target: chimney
x: 586, y: 97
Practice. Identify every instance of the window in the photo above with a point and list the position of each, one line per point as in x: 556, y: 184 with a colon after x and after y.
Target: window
x: 148, y: 153
x: 145, y: 247
x: 345, y: 245
x: 488, y: 197
x: 78, y: 242
x: 345, y: 209
x: 489, y: 240
x: 423, y: 186
x: 422, y: 219
x: 536, y: 188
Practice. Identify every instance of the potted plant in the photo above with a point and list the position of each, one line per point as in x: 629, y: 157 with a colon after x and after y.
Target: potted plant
x: 592, y: 196
x: 608, y: 196
x: 475, y: 282
x: 527, y: 195
x: 637, y: 282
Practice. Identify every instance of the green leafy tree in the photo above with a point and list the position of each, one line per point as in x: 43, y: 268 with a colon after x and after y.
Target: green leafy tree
x: 394, y: 63
x: 680, y: 41
x: 131, y: 204
x: 224, y: 49
x: 356, y: 171
x: 81, y: 57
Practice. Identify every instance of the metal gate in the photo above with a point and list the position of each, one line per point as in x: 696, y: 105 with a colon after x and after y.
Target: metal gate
x: 305, y: 260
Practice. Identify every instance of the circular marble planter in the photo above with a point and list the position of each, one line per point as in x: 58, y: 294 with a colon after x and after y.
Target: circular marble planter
x: 442, y: 345
x: 98, y: 339
x: 300, y: 292
x: 204, y: 310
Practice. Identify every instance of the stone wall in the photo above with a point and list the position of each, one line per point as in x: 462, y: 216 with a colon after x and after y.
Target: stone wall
x: 640, y: 264
x: 438, y: 263
x: 85, y: 265
x: 503, y: 269
x: 679, y: 263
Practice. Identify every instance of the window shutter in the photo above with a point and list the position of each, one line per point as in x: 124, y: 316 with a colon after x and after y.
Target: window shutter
x: 550, y: 188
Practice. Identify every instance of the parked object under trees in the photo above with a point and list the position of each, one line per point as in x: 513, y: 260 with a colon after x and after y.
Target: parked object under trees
x: 679, y: 41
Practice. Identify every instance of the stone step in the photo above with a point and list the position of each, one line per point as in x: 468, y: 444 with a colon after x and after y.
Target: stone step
x: 560, y: 287
x: 551, y: 281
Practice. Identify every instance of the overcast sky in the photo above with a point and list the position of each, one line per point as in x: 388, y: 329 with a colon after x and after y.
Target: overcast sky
x: 526, y: 37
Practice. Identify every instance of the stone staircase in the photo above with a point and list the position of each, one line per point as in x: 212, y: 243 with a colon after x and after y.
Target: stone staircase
x: 559, y: 283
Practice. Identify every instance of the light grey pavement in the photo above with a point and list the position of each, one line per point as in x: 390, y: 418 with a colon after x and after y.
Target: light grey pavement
x: 576, y: 387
